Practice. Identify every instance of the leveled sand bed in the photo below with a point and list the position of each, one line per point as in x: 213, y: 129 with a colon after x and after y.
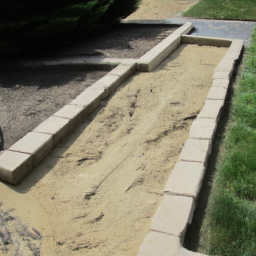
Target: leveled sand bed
x: 96, y: 193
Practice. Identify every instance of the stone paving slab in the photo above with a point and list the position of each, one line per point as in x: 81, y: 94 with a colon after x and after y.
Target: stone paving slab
x: 196, y: 150
x: 38, y: 145
x: 173, y: 215
x: 58, y: 127
x: 185, y: 179
x: 14, y: 166
x: 203, y: 129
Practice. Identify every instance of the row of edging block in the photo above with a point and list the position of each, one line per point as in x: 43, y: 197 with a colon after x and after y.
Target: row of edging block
x: 172, y: 217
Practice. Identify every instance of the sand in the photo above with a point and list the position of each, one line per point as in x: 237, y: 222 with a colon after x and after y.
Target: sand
x: 96, y: 193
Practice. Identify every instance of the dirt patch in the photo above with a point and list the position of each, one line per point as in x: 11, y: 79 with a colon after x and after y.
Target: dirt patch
x: 160, y: 10
x: 123, y: 41
x: 96, y: 193
x: 29, y: 96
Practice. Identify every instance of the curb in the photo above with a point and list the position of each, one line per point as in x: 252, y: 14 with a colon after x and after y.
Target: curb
x: 157, y: 54
x: 181, y: 191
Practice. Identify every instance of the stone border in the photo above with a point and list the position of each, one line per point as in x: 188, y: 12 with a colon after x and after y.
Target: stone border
x: 181, y: 191
x: 157, y: 54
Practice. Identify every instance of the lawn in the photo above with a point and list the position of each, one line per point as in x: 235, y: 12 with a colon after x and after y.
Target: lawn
x: 223, y: 10
x: 231, y: 212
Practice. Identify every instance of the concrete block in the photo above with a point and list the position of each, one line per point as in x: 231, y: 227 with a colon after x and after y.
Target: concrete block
x: 225, y: 66
x: 208, y: 41
x: 14, y: 166
x: 36, y: 144
x: 124, y: 71
x: 217, y: 93
x: 234, y: 50
x: 58, y: 127
x: 211, y: 109
x: 196, y: 150
x: 183, y: 30
x: 203, y: 129
x: 222, y: 75
x: 72, y: 112
x: 220, y: 83
x: 185, y: 179
x: 160, y: 52
x: 159, y: 244
x: 173, y: 215
x: 108, y: 83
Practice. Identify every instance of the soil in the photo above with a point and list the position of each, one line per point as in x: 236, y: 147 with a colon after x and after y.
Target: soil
x: 29, y: 96
x: 161, y: 9
x: 96, y: 193
x: 123, y: 41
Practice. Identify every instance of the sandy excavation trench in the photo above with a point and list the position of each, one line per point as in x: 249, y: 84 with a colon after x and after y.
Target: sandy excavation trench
x: 96, y: 193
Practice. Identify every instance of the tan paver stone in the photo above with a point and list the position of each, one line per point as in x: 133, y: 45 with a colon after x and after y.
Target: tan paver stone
x: 211, y: 109
x: 173, y: 215
x: 108, y: 83
x: 196, y: 150
x: 202, y: 40
x: 222, y: 75
x: 217, y: 93
x: 159, y: 244
x: 36, y: 144
x: 72, y: 112
x: 124, y: 71
x: 220, y: 83
x: 203, y: 129
x: 58, y: 127
x: 225, y: 66
x: 185, y: 252
x: 183, y: 30
x: 185, y: 179
x: 234, y: 50
x: 160, y: 52
x: 14, y: 166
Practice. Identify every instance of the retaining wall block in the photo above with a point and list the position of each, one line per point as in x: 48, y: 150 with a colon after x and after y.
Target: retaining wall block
x: 38, y: 145
x: 208, y: 41
x: 173, y: 215
x: 58, y: 127
x: 221, y: 83
x: 124, y: 70
x: 159, y: 244
x: 72, y: 112
x: 196, y: 151
x: 225, y: 66
x: 234, y: 50
x: 217, y: 93
x: 211, y: 109
x: 185, y: 179
x: 14, y: 166
x: 183, y: 30
x: 185, y: 252
x: 160, y: 52
x: 203, y: 129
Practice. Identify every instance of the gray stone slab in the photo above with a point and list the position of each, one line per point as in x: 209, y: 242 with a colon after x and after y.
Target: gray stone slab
x: 211, y: 109
x: 38, y: 145
x: 14, y: 166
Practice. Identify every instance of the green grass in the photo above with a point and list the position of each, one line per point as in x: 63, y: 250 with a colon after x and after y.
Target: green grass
x: 231, y: 213
x: 224, y: 9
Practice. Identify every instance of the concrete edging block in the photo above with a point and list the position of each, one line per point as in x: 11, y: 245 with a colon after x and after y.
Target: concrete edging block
x: 211, y: 109
x: 217, y: 93
x: 173, y: 215
x: 234, y: 50
x: 38, y: 145
x: 58, y: 127
x: 196, y: 150
x: 203, y: 129
x: 124, y: 70
x: 14, y: 166
x: 184, y: 29
x: 185, y: 252
x: 208, y: 41
x: 185, y: 179
x: 221, y: 83
x: 160, y: 52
